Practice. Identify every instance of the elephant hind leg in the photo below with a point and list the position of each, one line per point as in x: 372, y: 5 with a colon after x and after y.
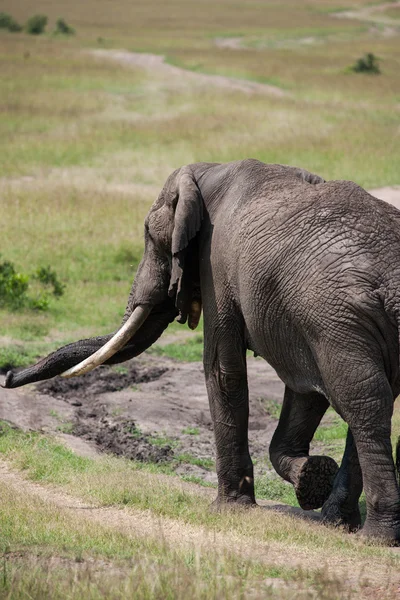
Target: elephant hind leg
x: 367, y: 406
x: 342, y: 508
x: 311, y: 476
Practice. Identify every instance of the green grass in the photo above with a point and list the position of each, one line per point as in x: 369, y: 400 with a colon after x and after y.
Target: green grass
x: 335, y: 429
x: 114, y: 482
x: 271, y: 407
x: 144, y: 576
x: 206, y: 463
x: 272, y: 487
x: 15, y: 356
x: 50, y: 552
x: 96, y: 140
x: 190, y: 350
x: 191, y: 431
x: 33, y: 537
x: 86, y: 146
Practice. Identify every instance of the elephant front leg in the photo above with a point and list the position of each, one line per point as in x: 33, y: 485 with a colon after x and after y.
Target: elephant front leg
x: 312, y: 476
x: 342, y: 508
x: 226, y: 380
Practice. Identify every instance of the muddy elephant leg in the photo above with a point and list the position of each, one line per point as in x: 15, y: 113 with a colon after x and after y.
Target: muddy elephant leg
x: 342, y: 508
x: 368, y: 412
x: 311, y: 476
x: 226, y: 380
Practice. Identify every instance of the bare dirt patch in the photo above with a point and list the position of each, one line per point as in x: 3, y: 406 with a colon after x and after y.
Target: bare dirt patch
x: 388, y: 194
x: 149, y: 409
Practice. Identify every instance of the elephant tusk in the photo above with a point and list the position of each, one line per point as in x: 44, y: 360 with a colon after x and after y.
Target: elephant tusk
x: 118, y: 341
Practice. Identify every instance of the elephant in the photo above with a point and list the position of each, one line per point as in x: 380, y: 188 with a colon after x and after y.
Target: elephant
x: 306, y: 274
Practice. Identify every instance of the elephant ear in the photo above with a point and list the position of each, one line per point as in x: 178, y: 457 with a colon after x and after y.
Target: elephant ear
x: 187, y: 223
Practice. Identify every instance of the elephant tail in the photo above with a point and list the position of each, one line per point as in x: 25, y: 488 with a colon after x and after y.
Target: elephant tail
x: 398, y: 459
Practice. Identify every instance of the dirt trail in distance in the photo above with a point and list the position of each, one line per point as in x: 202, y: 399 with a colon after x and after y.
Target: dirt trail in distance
x: 179, y: 77
x: 370, y: 13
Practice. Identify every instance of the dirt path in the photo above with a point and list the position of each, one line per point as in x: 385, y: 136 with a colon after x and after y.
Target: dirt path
x: 143, y: 524
x: 370, y: 13
x: 181, y: 77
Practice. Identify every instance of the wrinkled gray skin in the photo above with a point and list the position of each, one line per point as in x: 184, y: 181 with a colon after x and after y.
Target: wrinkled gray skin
x: 305, y: 273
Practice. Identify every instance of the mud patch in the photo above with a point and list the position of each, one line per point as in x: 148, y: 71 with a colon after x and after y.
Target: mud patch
x: 150, y: 409
x: 94, y: 420
x: 102, y: 380
x: 121, y: 438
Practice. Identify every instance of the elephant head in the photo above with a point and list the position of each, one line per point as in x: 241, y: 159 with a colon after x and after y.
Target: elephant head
x: 166, y: 286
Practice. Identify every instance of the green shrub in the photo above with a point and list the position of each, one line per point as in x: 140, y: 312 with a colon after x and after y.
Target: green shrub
x: 19, y: 290
x: 9, y: 23
x: 36, y: 24
x: 13, y: 286
x: 47, y: 276
x: 12, y: 357
x: 63, y: 28
x: 367, y: 64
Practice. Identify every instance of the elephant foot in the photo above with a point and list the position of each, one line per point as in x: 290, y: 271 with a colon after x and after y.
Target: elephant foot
x: 225, y: 502
x: 314, y: 479
x: 333, y: 514
x: 382, y: 533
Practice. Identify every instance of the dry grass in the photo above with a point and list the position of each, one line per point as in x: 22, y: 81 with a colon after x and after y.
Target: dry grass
x: 153, y: 526
x: 53, y: 551
x: 117, y: 482
x: 91, y: 142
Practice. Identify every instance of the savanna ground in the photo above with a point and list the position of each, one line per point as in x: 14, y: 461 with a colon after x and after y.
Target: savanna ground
x: 90, y: 127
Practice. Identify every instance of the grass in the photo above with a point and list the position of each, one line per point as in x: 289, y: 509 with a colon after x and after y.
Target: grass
x: 96, y: 140
x: 51, y: 552
x: 114, y: 482
x: 190, y: 350
x: 191, y: 431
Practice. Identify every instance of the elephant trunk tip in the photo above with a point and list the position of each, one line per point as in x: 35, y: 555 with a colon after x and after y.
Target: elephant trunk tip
x: 8, y: 382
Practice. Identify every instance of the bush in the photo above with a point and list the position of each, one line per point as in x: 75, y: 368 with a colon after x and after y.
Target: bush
x: 19, y: 290
x: 36, y: 24
x: 48, y: 277
x: 13, y: 286
x: 9, y: 23
x: 367, y: 64
x: 63, y: 28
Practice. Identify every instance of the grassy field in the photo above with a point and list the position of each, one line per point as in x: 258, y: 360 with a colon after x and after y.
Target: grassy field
x: 91, y: 142
x: 153, y: 533
x: 86, y: 144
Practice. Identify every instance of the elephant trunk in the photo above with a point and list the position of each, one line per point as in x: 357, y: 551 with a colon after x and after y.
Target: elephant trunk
x: 118, y: 341
x: 68, y: 356
x: 56, y: 362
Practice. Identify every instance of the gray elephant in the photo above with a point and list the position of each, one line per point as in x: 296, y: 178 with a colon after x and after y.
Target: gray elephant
x: 305, y: 273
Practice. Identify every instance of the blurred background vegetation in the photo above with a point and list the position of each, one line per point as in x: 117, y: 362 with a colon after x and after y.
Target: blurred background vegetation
x: 87, y: 140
